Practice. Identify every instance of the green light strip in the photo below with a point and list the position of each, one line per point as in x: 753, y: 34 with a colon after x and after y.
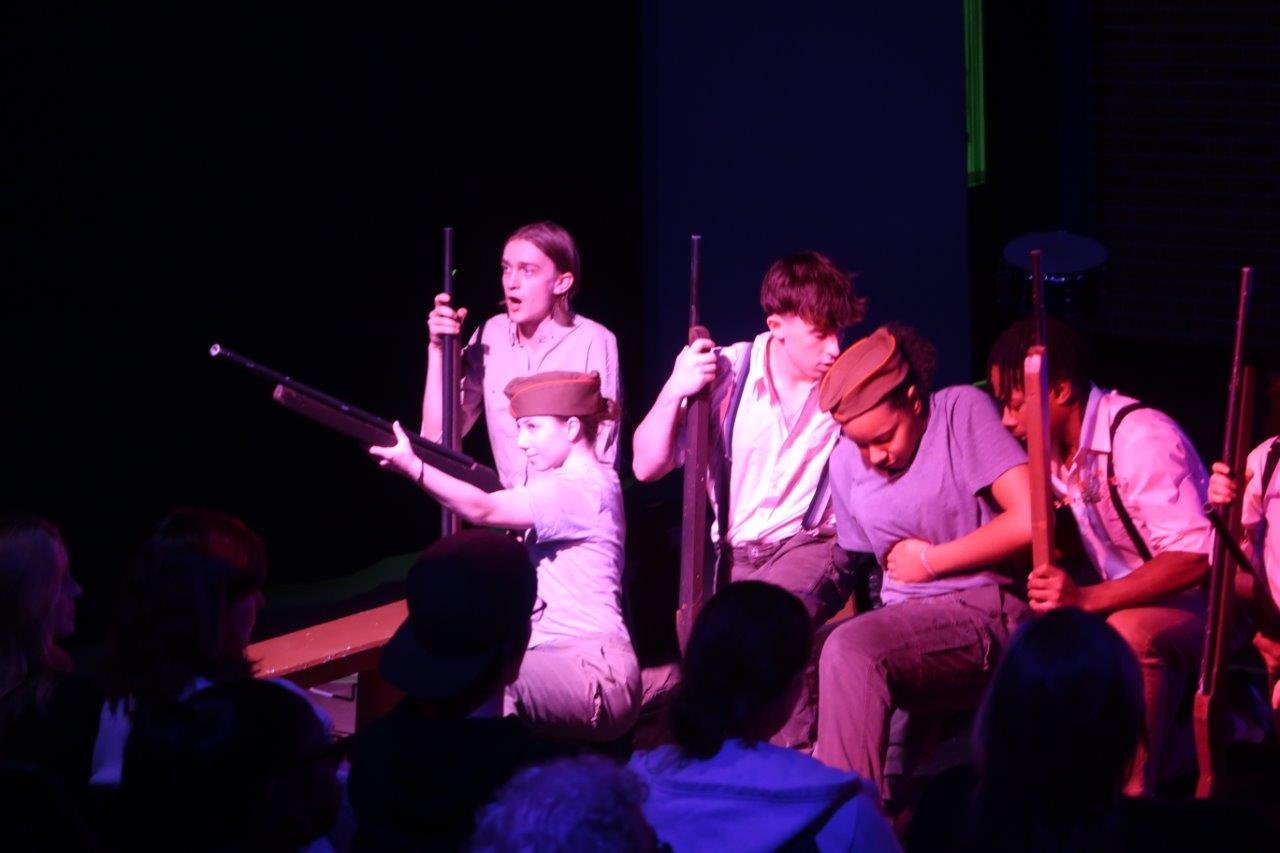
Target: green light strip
x: 975, y: 102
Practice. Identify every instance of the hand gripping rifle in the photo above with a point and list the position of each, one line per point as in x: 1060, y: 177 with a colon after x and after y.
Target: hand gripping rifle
x: 697, y: 575
x: 358, y: 424
x: 1209, y: 724
x: 1035, y: 385
x: 450, y: 382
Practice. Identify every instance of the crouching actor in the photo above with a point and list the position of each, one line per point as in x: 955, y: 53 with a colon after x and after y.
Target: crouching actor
x: 580, y: 679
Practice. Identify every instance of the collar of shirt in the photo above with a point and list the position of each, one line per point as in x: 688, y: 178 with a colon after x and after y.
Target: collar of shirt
x: 764, y: 388
x: 1092, y: 439
x: 549, y: 332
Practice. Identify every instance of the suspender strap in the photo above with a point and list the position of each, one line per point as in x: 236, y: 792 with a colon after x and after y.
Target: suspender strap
x: 726, y: 449
x: 817, y: 506
x: 1269, y: 467
x: 1139, y: 545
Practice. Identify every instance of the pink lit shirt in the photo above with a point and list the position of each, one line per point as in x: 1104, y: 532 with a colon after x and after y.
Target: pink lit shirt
x: 1159, y: 476
x: 497, y: 356
x: 776, y: 466
x: 1260, y: 515
x: 577, y: 545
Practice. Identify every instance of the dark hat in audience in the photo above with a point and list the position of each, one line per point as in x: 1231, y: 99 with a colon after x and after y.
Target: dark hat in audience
x: 562, y: 393
x: 470, y: 599
x: 862, y: 376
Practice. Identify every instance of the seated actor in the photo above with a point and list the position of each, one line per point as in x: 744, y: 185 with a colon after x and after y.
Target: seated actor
x: 1136, y: 490
x: 932, y: 488
x: 769, y: 442
x: 580, y: 678
x: 420, y: 773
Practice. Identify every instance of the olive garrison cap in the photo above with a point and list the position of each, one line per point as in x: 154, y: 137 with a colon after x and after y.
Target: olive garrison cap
x: 561, y: 393
x: 862, y: 376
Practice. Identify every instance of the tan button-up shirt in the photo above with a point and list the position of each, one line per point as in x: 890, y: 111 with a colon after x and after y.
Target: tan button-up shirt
x: 495, y: 356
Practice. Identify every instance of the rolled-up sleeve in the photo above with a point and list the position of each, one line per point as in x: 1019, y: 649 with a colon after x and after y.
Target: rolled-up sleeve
x: 471, y: 394
x: 1163, y: 483
x: 602, y: 357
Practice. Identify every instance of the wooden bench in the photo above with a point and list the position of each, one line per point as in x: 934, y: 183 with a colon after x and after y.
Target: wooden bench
x: 331, y: 650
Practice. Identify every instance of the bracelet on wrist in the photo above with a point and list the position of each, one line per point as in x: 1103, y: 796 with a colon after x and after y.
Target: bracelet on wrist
x: 422, y: 469
x: 924, y: 561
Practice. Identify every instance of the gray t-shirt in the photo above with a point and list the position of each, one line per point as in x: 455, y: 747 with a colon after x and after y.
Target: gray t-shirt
x: 578, y: 529
x: 938, y: 498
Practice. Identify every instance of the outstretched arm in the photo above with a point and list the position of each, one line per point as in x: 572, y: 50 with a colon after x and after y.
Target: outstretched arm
x: 509, y: 508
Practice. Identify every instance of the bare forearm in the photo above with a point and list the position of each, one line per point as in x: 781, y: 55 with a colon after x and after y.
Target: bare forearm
x: 509, y: 508
x: 1004, y: 536
x: 431, y: 395
x: 466, y: 500
x: 654, y: 443
x: 1163, y: 575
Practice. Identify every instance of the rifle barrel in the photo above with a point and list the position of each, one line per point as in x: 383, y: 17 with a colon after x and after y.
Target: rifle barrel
x: 1038, y: 307
x: 368, y: 419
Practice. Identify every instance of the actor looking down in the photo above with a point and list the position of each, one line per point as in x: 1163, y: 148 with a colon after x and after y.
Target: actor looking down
x: 540, y: 332
x: 932, y: 488
x: 579, y: 679
x: 1136, y: 490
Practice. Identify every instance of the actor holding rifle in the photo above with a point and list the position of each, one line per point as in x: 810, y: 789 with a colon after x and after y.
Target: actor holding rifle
x: 539, y: 332
x: 579, y: 679
x: 1260, y: 520
x: 1136, y: 490
x: 769, y: 440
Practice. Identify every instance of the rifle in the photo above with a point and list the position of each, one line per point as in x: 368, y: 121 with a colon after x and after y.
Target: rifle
x: 1209, y: 725
x: 697, y: 578
x: 1035, y: 385
x: 355, y: 423
x: 450, y: 434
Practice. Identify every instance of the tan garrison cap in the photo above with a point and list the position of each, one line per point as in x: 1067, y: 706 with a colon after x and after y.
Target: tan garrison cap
x: 862, y: 376
x: 561, y: 393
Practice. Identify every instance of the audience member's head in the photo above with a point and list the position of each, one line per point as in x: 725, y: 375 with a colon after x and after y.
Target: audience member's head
x: 37, y: 609
x: 175, y: 622
x: 1059, y: 725
x: 241, y: 765
x: 470, y: 600
x: 585, y: 804
x: 230, y: 540
x: 742, y: 668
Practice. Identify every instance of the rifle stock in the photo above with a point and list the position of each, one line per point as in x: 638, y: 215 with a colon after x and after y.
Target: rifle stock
x: 1035, y: 374
x: 697, y: 577
x: 1035, y: 389
x: 1207, y: 717
x: 360, y: 425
